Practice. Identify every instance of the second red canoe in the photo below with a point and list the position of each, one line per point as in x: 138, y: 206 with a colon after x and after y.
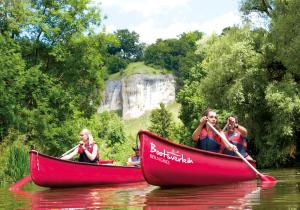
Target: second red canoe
x: 167, y: 164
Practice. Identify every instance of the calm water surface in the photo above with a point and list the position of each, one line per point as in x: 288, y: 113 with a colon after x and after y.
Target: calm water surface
x: 245, y: 195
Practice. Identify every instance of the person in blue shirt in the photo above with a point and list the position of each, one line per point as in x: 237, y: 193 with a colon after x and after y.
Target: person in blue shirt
x: 135, y: 160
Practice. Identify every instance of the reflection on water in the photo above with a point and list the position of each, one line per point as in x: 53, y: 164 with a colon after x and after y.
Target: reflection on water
x: 243, y: 195
x: 88, y: 197
x: 236, y: 196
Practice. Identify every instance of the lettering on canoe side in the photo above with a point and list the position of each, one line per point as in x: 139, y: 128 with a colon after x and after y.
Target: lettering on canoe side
x: 166, y: 156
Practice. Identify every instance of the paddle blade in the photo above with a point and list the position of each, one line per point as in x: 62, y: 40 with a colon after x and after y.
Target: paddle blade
x: 266, y: 178
x: 267, y: 181
x: 19, y: 184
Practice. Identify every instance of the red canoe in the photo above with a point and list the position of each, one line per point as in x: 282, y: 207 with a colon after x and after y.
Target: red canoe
x: 47, y: 171
x: 168, y: 164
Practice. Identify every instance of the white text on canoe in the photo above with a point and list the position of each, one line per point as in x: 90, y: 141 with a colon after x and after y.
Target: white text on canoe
x: 168, y: 155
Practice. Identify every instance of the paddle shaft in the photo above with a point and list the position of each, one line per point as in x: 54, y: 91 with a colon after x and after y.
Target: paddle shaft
x: 225, y: 127
x: 69, y: 151
x: 237, y: 152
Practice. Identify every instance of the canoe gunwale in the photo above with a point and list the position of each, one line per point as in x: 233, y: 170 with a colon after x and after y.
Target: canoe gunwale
x: 76, y: 162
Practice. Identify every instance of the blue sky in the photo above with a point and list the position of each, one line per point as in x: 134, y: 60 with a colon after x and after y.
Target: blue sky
x: 153, y: 19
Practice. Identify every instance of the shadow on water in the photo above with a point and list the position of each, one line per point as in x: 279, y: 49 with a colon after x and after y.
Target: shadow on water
x: 244, y: 195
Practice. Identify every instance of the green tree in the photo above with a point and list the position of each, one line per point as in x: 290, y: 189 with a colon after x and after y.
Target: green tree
x: 124, y: 48
x: 161, y: 121
x: 129, y: 46
x: 177, y: 55
x: 111, y: 129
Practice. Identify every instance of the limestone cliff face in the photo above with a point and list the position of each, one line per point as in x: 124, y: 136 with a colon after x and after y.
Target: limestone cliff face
x: 112, y: 99
x: 138, y: 94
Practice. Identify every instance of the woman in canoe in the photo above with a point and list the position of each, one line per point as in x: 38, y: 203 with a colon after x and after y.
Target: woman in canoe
x: 237, y: 135
x: 87, y: 148
x: 206, y: 138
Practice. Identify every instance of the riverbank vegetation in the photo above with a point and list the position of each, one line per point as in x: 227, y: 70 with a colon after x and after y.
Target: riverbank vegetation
x: 53, y: 67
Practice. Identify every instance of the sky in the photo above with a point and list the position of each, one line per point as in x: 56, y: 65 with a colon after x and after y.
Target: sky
x: 153, y: 19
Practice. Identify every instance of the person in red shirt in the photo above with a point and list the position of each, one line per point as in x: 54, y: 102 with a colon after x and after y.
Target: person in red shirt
x: 237, y: 135
x: 206, y: 138
x: 87, y: 148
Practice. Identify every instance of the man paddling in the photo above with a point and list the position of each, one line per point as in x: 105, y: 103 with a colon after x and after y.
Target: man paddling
x: 237, y: 135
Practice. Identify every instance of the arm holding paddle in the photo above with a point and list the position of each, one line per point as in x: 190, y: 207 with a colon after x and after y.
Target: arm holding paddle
x: 91, y: 155
x: 232, y: 123
x: 87, y: 148
x: 79, y: 149
x: 198, y: 130
x: 227, y: 144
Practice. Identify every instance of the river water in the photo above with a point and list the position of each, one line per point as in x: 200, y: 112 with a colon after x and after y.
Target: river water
x: 244, y: 195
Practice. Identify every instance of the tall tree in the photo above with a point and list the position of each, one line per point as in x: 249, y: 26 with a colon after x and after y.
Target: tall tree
x: 177, y: 55
x: 161, y: 121
x: 129, y: 46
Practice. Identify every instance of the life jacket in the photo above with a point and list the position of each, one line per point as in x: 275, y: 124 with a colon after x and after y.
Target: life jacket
x: 209, y: 141
x: 239, y: 141
x: 84, y: 158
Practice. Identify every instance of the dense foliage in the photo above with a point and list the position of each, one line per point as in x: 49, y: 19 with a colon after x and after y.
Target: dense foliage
x: 51, y: 72
x: 124, y: 50
x: 177, y: 55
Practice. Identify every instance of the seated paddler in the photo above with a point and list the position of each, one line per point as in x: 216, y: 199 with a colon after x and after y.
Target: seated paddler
x: 236, y: 134
x: 205, y: 136
x: 135, y: 160
x: 87, y: 148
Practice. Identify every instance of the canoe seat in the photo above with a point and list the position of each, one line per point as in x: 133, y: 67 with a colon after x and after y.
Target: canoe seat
x: 105, y: 162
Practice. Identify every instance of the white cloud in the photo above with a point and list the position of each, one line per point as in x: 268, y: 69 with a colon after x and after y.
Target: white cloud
x: 149, y: 31
x: 153, y: 19
x: 219, y: 23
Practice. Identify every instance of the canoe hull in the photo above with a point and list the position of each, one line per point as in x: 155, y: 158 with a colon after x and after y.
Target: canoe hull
x: 47, y: 171
x: 167, y: 164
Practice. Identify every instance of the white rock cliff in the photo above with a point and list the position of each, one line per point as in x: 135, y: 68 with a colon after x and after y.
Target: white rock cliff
x: 138, y: 94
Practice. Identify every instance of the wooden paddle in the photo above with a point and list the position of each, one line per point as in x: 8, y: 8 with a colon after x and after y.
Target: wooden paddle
x: 263, y: 178
x: 19, y: 184
x: 67, y: 152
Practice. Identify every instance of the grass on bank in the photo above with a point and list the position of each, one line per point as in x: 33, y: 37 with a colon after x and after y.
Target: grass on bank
x: 137, y: 68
